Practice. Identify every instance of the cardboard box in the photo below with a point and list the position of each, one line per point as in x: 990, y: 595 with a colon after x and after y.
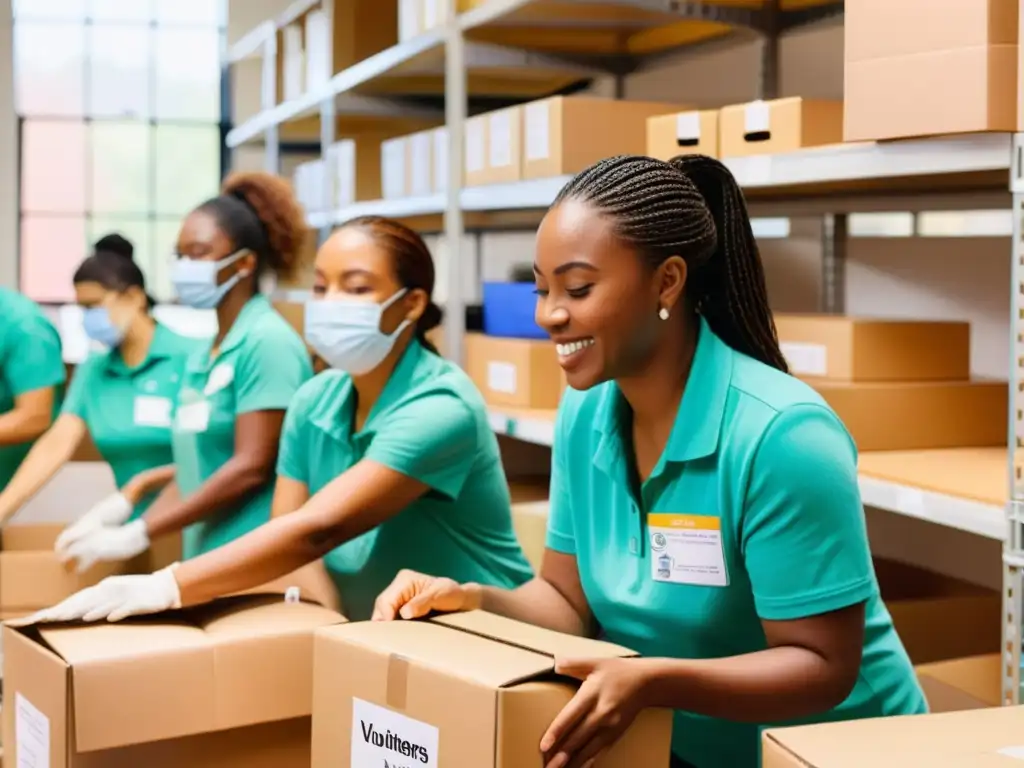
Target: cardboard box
x: 393, y: 176
x: 515, y: 372
x: 865, y: 349
x: 778, y: 126
x: 356, y: 165
x: 970, y: 683
x: 469, y: 690
x: 900, y: 85
x: 938, y: 617
x: 919, y: 415
x: 565, y: 134
x: 475, y: 160
x: 225, y: 684
x: 981, y: 738
x: 685, y: 133
x: 505, y: 145
x: 362, y: 28
x: 419, y: 164
x: 530, y: 520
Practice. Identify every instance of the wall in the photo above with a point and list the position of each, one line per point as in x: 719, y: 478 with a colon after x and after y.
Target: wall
x: 8, y: 153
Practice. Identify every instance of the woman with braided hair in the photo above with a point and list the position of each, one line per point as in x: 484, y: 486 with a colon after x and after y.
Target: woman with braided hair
x: 704, y: 504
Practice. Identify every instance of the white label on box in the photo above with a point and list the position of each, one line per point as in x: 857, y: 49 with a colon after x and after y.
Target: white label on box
x: 31, y: 735
x: 538, y: 138
x: 408, y: 20
x: 805, y: 359
x: 688, y: 126
x: 430, y: 17
x: 756, y: 117
x: 440, y: 159
x: 474, y: 146
x: 419, y: 156
x: 500, y: 139
x: 382, y: 737
x: 501, y: 377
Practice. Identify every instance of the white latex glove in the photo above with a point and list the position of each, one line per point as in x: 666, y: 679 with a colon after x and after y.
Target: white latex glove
x: 112, y: 511
x: 116, y: 598
x: 121, y: 543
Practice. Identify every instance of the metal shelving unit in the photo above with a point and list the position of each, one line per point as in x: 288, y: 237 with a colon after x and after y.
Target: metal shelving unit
x: 831, y: 182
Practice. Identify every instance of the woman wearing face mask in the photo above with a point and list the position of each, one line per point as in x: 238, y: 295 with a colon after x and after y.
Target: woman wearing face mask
x: 235, y: 390
x: 121, y: 398
x: 387, y: 462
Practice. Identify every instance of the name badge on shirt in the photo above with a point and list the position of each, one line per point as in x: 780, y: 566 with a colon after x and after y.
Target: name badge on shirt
x: 194, y: 417
x: 152, y: 411
x: 687, y: 549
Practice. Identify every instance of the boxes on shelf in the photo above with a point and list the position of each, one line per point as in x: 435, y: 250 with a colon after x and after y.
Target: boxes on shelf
x: 778, y: 126
x: 919, y: 415
x: 685, y: 133
x: 974, y: 682
x: 971, y: 739
x: 410, y: 19
x: 293, y: 62
x: 559, y: 135
x: 317, y: 33
x: 510, y: 309
x: 938, y: 617
x: 419, y: 163
x: 309, y: 181
x: 355, y: 165
x: 393, y: 176
x: 530, y: 520
x: 868, y: 349
x: 439, y: 157
x: 475, y: 161
x: 504, y: 145
x: 224, y: 684
x: 464, y: 691
x: 361, y: 29
x: 520, y: 373
x: 955, y: 74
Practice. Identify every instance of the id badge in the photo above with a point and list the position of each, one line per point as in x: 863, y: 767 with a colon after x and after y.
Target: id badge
x: 151, y: 411
x: 687, y: 549
x: 194, y: 417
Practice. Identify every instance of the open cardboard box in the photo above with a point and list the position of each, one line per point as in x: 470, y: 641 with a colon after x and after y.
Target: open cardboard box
x: 466, y: 690
x: 224, y: 684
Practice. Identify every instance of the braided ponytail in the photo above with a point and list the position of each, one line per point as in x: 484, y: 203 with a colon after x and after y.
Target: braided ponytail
x: 690, y: 207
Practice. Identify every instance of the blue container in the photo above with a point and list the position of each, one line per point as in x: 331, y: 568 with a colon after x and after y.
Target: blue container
x: 509, y: 309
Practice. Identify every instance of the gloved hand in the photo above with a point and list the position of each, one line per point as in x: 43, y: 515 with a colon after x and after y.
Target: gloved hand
x: 112, y: 511
x: 121, y: 543
x: 116, y: 598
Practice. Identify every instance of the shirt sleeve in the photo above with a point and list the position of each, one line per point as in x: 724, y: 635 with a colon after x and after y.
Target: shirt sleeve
x: 561, y: 536
x: 269, y: 373
x: 804, y: 537
x: 33, y: 358
x: 432, y: 439
x: 82, y: 381
x: 292, y: 455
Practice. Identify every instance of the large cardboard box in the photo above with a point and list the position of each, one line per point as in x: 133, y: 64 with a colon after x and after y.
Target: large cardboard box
x: 469, y: 690
x: 685, y: 133
x: 778, y: 126
x: 955, y: 74
x: 971, y: 683
x: 980, y: 738
x: 522, y: 373
x: 565, y: 134
x: 866, y: 349
x: 919, y: 415
x: 225, y: 684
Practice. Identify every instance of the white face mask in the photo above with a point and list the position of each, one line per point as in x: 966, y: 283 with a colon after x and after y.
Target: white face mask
x: 347, y: 333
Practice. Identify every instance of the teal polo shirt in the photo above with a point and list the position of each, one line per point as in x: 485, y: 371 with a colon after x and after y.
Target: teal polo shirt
x: 261, y: 364
x: 752, y: 513
x: 430, y: 423
x: 127, y: 410
x: 30, y: 359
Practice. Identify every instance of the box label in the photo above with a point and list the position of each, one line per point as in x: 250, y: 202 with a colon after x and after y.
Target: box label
x: 501, y: 139
x: 474, y: 146
x: 419, y: 176
x: 32, y: 734
x: 537, y: 129
x: 756, y: 117
x: 688, y: 126
x: 501, y: 377
x: 805, y: 359
x: 382, y: 738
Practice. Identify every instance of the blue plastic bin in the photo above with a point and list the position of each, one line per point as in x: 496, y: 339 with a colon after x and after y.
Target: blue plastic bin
x: 509, y: 309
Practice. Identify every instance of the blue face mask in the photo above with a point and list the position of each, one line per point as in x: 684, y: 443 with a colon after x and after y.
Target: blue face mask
x: 347, y: 333
x: 195, y: 281
x: 99, y: 327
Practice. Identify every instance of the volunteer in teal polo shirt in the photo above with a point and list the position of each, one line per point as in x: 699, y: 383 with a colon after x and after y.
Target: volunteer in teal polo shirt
x: 387, y: 461
x: 31, y: 378
x: 705, y: 509
x: 234, y: 392
x: 121, y: 397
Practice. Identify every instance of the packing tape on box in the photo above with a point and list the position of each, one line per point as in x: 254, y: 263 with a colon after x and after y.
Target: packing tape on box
x: 398, y: 682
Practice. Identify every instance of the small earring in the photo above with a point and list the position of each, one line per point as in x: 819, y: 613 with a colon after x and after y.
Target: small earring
x: 663, y: 313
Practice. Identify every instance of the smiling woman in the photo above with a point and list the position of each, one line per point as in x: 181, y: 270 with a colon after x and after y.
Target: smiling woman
x: 704, y: 504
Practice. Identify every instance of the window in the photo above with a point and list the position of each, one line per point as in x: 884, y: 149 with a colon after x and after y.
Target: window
x: 120, y: 107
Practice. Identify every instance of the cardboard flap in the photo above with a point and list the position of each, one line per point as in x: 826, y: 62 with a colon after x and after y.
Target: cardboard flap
x: 529, y: 637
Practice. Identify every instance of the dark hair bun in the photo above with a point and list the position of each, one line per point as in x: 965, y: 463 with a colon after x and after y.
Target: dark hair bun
x: 119, y: 245
x: 431, y: 318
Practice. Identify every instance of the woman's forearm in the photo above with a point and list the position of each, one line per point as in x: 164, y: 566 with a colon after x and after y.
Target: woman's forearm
x: 775, y: 685
x: 536, y: 602
x: 48, y: 455
x: 229, y: 485
x: 22, y: 425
